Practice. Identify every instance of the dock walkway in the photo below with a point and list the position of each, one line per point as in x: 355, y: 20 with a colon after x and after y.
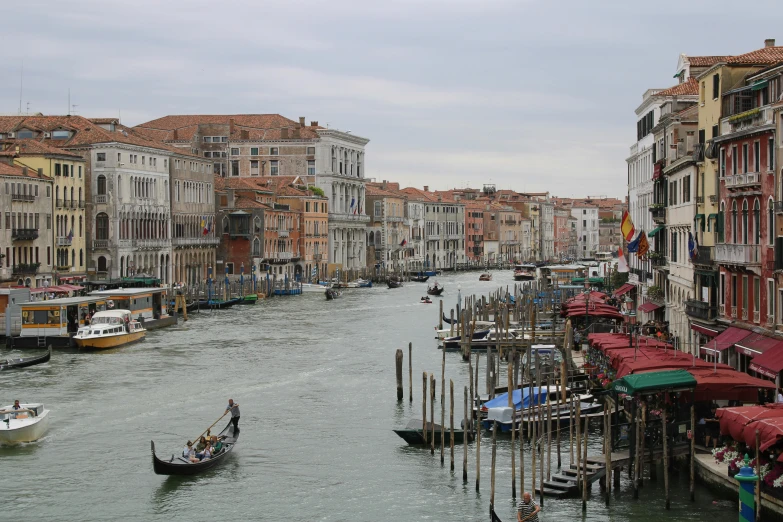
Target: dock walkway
x: 565, y: 483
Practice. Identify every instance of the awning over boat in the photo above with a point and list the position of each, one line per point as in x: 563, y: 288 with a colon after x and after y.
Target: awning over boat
x: 627, y: 287
x: 726, y: 340
x: 770, y: 363
x: 656, y: 230
x: 654, y: 382
x: 648, y: 307
x: 756, y: 344
x: 501, y: 401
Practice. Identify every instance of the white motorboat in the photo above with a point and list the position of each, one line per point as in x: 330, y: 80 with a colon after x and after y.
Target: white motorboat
x: 27, y: 424
x: 109, y: 329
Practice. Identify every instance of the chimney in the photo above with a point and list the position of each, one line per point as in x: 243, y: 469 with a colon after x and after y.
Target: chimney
x: 231, y: 126
x: 175, y: 135
x: 245, y: 134
x: 284, y: 133
x: 297, y: 133
x: 426, y: 188
x: 40, y: 172
x: 314, y: 123
x: 230, y: 198
x: 301, y: 121
x: 383, y: 185
x: 24, y: 172
x: 769, y: 42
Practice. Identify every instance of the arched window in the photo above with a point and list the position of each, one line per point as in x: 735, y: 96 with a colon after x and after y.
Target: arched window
x: 101, y: 264
x: 756, y: 222
x: 102, y: 226
x: 745, y: 222
x: 101, y: 185
x: 73, y: 257
x: 81, y: 200
x: 57, y: 195
x: 771, y: 222
x: 81, y: 224
x: 71, y: 194
x: 119, y: 188
x: 734, y: 227
x: 81, y: 257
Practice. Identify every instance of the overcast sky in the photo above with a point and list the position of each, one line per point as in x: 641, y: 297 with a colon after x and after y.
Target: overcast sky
x: 528, y: 95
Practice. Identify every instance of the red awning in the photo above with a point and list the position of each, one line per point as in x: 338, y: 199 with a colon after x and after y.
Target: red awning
x: 624, y: 289
x: 727, y: 384
x: 38, y: 290
x: 769, y: 363
x: 726, y: 340
x: 71, y: 287
x: 734, y: 420
x: 648, y: 307
x: 709, y: 332
x: 770, y: 432
x: 756, y: 344
x: 56, y: 289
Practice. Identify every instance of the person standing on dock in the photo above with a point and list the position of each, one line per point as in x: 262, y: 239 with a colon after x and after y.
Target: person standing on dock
x: 234, y: 408
x: 528, y: 509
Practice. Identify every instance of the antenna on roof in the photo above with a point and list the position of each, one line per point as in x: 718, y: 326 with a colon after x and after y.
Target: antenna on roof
x: 21, y: 87
x: 69, y: 101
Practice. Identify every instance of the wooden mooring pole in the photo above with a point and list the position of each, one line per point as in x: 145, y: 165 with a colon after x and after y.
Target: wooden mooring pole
x: 398, y: 366
x: 465, y: 440
x: 443, y: 408
x: 585, y: 484
x: 494, y: 457
x: 513, y: 428
x: 410, y: 371
x: 665, y: 429
x: 451, y: 422
x: 432, y: 413
x: 424, y: 407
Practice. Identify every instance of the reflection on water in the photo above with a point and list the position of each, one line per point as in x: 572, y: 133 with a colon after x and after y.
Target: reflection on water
x: 316, y: 386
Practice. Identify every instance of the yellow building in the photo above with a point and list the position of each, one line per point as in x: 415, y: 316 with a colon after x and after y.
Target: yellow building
x: 68, y: 234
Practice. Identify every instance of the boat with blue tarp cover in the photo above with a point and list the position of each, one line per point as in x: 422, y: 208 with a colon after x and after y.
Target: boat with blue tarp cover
x: 527, y: 404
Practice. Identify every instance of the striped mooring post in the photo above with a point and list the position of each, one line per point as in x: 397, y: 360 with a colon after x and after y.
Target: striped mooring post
x: 747, y: 492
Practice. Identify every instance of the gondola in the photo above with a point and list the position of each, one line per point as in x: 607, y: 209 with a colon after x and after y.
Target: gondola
x: 412, y: 434
x: 492, y: 515
x: 420, y: 278
x: 220, y: 304
x: 394, y: 283
x: 332, y: 294
x: 435, y: 290
x: 177, y: 465
x: 10, y: 364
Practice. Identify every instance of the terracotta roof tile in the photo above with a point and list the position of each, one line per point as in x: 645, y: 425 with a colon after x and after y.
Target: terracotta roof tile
x: 15, y: 170
x: 706, y: 61
x: 245, y: 202
x: 246, y: 127
x: 689, y: 87
x: 763, y: 56
x: 34, y: 148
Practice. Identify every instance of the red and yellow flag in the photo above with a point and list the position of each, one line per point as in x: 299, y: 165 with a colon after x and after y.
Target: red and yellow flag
x: 644, y: 245
x: 626, y: 226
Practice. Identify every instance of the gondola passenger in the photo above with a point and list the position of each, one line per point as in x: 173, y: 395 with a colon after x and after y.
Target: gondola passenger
x: 207, y: 453
x: 217, y: 445
x: 202, y: 443
x: 189, y: 453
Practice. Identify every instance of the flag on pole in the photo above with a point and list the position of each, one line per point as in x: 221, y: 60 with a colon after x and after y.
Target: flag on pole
x: 693, y: 246
x: 70, y: 235
x: 204, y: 226
x: 644, y: 245
x: 633, y: 246
x: 626, y: 226
x: 403, y: 242
x: 622, y: 264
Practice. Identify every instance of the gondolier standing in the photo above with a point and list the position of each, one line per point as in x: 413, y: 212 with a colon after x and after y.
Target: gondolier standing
x: 528, y: 509
x: 234, y: 408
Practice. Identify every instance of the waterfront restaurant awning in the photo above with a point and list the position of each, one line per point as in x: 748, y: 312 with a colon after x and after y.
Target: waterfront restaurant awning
x: 756, y: 344
x: 656, y: 230
x: 770, y: 363
x: 726, y: 340
x: 770, y: 432
x: 654, y: 382
x: 734, y: 420
x: 627, y: 287
x: 648, y: 307
x: 727, y: 384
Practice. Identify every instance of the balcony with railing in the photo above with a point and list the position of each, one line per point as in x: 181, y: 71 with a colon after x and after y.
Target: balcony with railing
x: 700, y: 310
x: 741, y: 255
x: 394, y: 219
x: 148, y: 244
x: 72, y: 203
x: 339, y: 216
x: 26, y: 268
x: 81, y: 203
x: 195, y: 241
x: 779, y: 207
x: 24, y: 234
x: 63, y: 268
x: 657, y: 259
x: 737, y: 181
x: 658, y: 213
x: 699, y: 200
x: 100, y: 243
x: 747, y: 118
x: 283, y: 232
x: 64, y: 241
x: 101, y: 199
x: 22, y: 197
x: 705, y: 256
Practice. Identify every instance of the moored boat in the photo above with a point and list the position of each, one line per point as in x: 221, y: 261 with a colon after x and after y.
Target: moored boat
x: 220, y: 303
x: 364, y: 283
x: 413, y: 435
x: 249, y: 299
x: 420, y: 278
x: 10, y: 364
x: 485, y: 277
x: 524, y: 272
x: 109, y: 329
x: 27, y: 424
x: 178, y: 465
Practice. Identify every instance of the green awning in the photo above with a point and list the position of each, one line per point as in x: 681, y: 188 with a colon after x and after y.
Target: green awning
x: 577, y: 280
x: 712, y: 216
x: 698, y: 216
x: 759, y: 85
x: 656, y: 230
x: 653, y: 382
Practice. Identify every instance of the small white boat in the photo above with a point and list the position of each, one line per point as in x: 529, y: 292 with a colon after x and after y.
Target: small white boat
x: 27, y: 424
x: 109, y: 329
x: 313, y: 287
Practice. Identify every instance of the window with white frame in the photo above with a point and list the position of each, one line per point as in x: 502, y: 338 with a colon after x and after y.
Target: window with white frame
x: 770, y: 301
x: 756, y: 156
x: 311, y: 167
x: 274, y: 151
x: 274, y: 168
x: 234, y: 151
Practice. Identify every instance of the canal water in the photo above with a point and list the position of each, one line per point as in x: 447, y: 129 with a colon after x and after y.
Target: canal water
x: 315, y: 382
